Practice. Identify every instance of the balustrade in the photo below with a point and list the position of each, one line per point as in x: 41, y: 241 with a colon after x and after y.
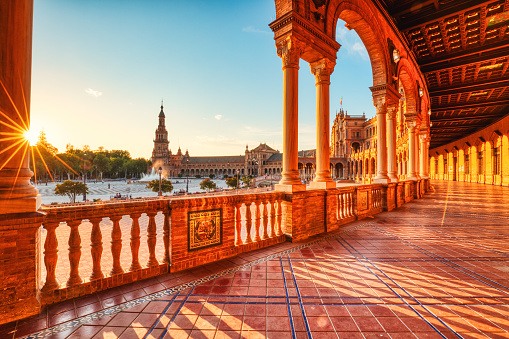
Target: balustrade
x: 250, y: 218
x: 77, y: 224
x: 267, y: 216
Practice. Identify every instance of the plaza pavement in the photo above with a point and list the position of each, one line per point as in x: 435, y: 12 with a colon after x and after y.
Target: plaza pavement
x: 435, y: 268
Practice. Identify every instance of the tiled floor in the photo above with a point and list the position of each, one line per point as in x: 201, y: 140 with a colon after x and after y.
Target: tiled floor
x: 436, y: 268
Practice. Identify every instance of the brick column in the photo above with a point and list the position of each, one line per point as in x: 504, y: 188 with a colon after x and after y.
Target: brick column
x: 20, y: 231
x: 322, y: 70
x: 17, y: 195
x: 289, y: 50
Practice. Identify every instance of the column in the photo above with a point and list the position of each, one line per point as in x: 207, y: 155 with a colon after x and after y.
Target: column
x: 289, y: 50
x: 411, y: 151
x: 417, y: 154
x: 424, y: 161
x: 392, y: 169
x: 17, y: 195
x: 381, y: 145
x: 322, y: 70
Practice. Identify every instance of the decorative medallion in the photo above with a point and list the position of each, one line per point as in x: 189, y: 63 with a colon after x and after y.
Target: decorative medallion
x: 363, y: 200
x: 205, y: 229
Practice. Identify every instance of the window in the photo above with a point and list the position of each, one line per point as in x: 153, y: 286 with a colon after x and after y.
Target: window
x: 467, y: 164
x: 496, y: 161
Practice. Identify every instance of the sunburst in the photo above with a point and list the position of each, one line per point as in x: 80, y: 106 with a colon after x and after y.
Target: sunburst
x: 17, y: 138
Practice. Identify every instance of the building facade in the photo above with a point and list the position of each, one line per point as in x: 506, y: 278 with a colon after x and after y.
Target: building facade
x: 262, y: 160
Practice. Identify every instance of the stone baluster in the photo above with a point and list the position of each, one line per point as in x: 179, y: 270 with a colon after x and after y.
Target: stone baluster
x: 272, y: 218
x: 279, y: 217
x: 349, y: 204
x: 96, y: 250
x: 166, y: 237
x: 340, y: 206
x: 238, y: 224
x: 248, y: 223
x: 257, y: 221
x: 116, y: 245
x: 50, y: 256
x: 74, y: 253
x: 152, y: 239
x: 135, y: 242
x: 265, y: 235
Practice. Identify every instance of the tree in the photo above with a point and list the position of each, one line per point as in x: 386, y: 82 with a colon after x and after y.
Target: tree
x: 102, y: 163
x: 71, y: 189
x: 247, y: 179
x: 116, y: 165
x: 207, y: 184
x: 166, y: 185
x: 232, y: 182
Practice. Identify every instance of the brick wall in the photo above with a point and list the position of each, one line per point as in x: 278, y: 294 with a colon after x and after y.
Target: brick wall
x: 19, y: 265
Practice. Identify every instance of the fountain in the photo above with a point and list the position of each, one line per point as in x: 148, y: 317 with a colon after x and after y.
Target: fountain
x: 146, y: 178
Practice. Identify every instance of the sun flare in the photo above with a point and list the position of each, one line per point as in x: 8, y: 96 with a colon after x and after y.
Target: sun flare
x: 32, y: 136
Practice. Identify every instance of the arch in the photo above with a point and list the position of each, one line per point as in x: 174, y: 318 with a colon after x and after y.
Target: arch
x: 355, y: 147
x: 367, y: 26
x: 407, y: 81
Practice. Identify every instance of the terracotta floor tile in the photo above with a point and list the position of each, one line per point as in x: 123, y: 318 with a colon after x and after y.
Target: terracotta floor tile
x: 85, y: 332
x: 109, y: 333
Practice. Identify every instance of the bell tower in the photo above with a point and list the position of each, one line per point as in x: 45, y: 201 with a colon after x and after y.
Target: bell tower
x: 160, y: 152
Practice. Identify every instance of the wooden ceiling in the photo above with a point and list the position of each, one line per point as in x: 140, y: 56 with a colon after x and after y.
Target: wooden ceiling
x: 462, y: 47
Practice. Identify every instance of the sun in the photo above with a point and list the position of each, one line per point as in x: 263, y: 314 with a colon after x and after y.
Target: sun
x: 32, y: 136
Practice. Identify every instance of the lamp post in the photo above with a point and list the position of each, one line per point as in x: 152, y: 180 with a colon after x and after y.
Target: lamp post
x: 237, y: 171
x: 84, y: 177
x: 160, y: 175
x: 187, y: 175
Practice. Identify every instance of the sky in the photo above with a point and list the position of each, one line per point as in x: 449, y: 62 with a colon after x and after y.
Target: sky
x: 100, y: 69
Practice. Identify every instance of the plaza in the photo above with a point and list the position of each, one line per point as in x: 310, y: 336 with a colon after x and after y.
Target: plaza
x: 418, y: 272
x: 412, y: 244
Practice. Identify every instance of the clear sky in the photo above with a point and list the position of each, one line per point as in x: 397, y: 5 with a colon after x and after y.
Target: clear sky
x: 101, y: 67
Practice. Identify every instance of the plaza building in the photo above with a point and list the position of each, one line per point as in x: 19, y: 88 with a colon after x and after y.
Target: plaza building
x: 262, y: 160
x: 417, y: 248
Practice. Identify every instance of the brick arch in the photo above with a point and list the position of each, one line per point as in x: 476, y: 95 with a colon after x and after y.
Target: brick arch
x: 409, y: 86
x: 360, y: 17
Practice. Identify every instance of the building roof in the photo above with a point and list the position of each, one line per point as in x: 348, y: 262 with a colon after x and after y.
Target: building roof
x: 263, y: 147
x: 161, y: 114
x: 216, y: 159
x: 276, y: 157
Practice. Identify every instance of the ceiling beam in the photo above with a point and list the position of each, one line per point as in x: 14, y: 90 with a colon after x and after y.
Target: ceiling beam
x: 471, y: 56
x: 504, y: 102
x: 456, y: 127
x: 467, y: 118
x: 479, y: 86
x: 421, y: 19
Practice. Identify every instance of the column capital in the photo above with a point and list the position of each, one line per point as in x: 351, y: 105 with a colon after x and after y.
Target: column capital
x: 322, y: 70
x: 391, y: 111
x: 290, y: 50
x: 380, y: 106
x: 411, y: 125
